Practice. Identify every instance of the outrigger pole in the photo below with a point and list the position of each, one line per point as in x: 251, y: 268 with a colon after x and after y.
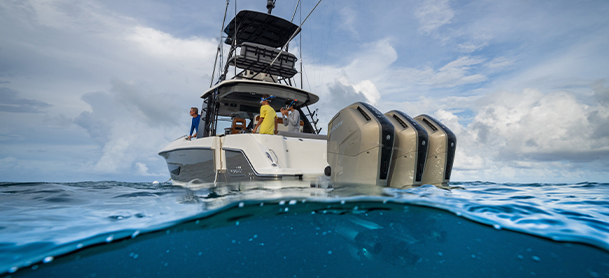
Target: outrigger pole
x: 219, y: 51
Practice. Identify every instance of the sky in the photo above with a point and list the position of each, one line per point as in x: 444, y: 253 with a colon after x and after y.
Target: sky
x: 92, y: 90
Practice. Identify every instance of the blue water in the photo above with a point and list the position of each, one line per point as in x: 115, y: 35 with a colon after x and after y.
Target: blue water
x: 476, y: 229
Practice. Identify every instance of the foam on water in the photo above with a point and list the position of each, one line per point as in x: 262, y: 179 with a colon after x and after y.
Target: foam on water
x: 43, y: 221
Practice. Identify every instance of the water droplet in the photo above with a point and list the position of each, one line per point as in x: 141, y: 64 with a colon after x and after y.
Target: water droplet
x: 233, y: 241
x: 12, y: 269
x: 200, y: 253
x: 440, y: 254
x: 131, y: 254
x: 292, y: 202
x: 135, y: 256
x: 137, y: 232
x: 109, y: 238
x: 520, y: 257
x: 167, y: 251
x: 496, y: 226
x: 458, y: 213
x: 48, y: 259
x: 281, y: 203
x: 237, y: 223
x: 241, y: 204
x: 355, y: 208
x: 255, y: 236
x: 79, y: 245
x: 342, y: 202
x: 286, y: 209
x: 312, y: 212
x: 329, y: 252
x: 473, y: 256
x: 535, y: 258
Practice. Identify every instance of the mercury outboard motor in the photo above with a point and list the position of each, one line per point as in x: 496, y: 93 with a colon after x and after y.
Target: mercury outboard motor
x: 441, y: 151
x: 360, y: 145
x: 410, y: 152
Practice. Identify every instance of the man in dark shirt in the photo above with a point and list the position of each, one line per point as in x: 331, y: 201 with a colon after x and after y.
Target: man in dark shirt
x: 196, y: 118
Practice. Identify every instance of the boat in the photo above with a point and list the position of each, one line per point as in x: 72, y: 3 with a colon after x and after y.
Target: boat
x: 363, y: 145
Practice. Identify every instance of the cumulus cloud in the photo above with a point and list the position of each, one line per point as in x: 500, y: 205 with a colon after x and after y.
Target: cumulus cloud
x: 125, y: 84
x: 129, y: 123
x: 529, y: 131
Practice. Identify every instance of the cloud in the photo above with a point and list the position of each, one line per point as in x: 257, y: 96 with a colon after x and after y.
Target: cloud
x: 433, y: 14
x: 513, y: 80
x: 601, y: 93
x: 130, y: 123
x: 10, y: 102
x: 348, y: 20
x: 341, y: 94
x: 529, y: 131
x: 116, y: 88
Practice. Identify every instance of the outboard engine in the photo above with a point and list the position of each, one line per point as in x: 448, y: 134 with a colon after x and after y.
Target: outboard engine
x: 410, y: 152
x: 360, y: 145
x: 440, y: 153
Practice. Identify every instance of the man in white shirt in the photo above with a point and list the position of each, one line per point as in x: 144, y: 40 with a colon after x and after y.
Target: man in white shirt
x: 293, y: 117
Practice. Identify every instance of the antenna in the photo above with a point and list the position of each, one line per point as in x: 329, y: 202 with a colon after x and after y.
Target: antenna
x: 270, y: 4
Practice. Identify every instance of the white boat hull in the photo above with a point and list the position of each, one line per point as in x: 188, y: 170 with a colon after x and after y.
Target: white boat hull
x: 245, y: 157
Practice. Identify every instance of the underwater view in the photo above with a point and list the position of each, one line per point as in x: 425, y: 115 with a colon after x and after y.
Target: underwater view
x: 473, y: 229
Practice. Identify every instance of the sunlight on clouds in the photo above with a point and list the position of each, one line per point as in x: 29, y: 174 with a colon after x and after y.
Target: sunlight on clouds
x: 530, y: 131
x: 163, y: 45
x: 368, y: 89
x: 142, y: 170
x: 524, y: 136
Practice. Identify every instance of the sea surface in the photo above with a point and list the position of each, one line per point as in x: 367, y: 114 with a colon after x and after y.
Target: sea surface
x: 474, y: 229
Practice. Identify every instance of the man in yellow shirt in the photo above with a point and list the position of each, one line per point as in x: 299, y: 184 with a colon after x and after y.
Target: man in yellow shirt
x: 268, y: 117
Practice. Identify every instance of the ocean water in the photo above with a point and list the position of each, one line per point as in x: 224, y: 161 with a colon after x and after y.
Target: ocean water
x: 475, y: 229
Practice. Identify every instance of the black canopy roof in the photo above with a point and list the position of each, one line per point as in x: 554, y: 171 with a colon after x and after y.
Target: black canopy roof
x: 261, y: 28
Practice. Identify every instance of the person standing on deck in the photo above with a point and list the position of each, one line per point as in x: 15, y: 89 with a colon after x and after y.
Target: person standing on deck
x: 268, y: 117
x: 196, y: 119
x: 293, y: 118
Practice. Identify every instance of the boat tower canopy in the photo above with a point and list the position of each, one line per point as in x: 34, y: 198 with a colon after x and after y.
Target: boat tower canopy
x: 260, y: 28
x: 244, y: 96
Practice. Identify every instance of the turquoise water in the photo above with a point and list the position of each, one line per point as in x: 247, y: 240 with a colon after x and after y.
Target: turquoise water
x: 479, y: 229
